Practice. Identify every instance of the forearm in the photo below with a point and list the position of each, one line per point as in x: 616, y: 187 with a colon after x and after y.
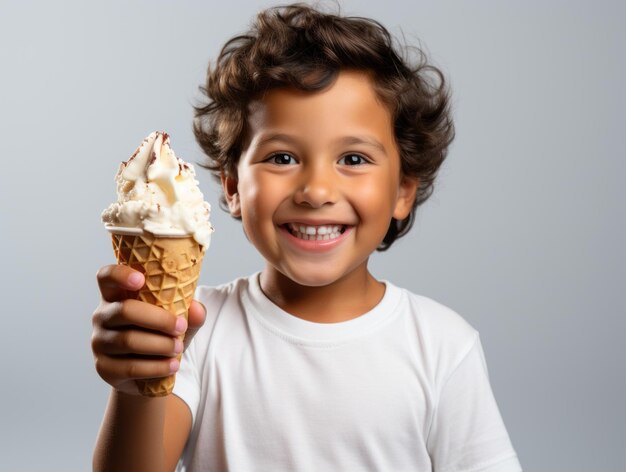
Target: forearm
x: 131, y: 435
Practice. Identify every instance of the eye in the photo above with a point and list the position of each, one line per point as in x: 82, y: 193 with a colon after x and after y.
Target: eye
x: 353, y: 160
x: 282, y: 158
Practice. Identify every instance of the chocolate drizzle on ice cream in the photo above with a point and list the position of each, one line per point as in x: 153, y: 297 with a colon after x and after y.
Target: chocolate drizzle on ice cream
x: 158, y: 192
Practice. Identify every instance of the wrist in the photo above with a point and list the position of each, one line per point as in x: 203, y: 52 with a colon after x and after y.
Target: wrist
x: 135, y: 400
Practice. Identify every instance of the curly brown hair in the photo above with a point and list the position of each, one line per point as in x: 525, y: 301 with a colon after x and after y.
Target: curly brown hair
x: 301, y: 47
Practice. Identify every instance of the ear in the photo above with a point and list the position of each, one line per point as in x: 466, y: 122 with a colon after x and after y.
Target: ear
x: 231, y: 194
x: 406, y: 197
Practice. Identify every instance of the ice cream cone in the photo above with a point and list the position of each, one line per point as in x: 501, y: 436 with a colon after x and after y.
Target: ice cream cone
x: 171, y: 266
x: 160, y: 226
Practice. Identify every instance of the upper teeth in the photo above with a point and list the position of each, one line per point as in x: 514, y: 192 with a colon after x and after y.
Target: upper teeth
x: 316, y: 232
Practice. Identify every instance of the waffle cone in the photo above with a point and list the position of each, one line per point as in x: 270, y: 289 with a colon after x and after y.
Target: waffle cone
x: 171, y: 267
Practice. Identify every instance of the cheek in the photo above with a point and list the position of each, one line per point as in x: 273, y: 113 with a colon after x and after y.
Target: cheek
x: 248, y: 192
x: 250, y: 189
x: 376, y: 199
x: 259, y: 198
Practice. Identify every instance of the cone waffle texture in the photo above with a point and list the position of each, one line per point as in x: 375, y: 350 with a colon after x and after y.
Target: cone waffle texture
x: 171, y: 267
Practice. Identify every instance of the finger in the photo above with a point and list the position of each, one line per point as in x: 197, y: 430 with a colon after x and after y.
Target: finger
x: 197, y: 317
x: 115, y: 370
x: 116, y: 280
x: 127, y: 313
x: 135, y: 342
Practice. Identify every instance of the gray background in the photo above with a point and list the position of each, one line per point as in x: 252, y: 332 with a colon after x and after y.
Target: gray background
x: 523, y: 236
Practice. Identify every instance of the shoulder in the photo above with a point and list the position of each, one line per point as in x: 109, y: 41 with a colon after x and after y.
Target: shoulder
x: 443, y: 337
x: 215, y: 296
x: 222, y: 303
x: 438, y: 319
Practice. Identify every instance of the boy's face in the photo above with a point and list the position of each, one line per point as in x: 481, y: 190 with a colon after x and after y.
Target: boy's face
x: 320, y: 180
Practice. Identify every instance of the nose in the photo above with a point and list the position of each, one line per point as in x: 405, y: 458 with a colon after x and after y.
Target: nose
x: 316, y: 187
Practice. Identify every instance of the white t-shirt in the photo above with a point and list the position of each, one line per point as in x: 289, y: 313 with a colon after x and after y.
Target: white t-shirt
x: 403, y: 387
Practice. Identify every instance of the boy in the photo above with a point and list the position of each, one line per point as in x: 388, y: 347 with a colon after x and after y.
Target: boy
x: 325, y: 142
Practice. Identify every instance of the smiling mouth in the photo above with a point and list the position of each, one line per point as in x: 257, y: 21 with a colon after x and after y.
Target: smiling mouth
x: 315, y: 233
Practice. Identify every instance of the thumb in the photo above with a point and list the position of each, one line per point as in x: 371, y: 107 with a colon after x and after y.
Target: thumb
x: 196, y: 318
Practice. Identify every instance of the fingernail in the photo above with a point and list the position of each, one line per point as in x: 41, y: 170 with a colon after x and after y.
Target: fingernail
x: 174, y: 365
x: 181, y: 325
x: 135, y: 278
x: 178, y: 346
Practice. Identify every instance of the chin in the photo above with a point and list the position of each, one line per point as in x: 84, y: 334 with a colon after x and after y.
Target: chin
x: 312, y: 281
x: 318, y: 278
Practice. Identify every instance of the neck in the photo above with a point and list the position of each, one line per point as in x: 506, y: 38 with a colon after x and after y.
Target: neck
x: 349, y: 297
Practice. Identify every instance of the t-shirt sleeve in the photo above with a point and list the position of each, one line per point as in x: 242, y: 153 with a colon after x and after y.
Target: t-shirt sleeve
x: 467, y: 432
x: 187, y: 384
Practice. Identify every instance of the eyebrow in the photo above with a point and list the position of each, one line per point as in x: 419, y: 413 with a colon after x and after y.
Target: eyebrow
x: 277, y: 137
x: 368, y: 140
x: 345, y: 141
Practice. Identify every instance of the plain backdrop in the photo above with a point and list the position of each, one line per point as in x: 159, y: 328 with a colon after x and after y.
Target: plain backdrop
x: 524, y: 235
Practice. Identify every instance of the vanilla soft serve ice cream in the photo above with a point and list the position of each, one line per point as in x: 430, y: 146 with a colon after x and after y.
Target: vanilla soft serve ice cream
x: 157, y: 192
